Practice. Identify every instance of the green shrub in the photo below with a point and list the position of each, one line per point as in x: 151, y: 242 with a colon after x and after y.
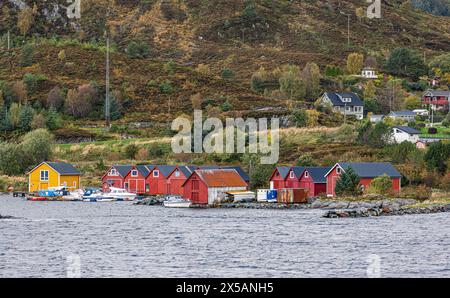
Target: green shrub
x: 300, y: 118
x: 226, y: 106
x: 131, y: 151
x: 27, y: 55
x: 227, y: 73
x: 381, y: 185
x: 166, y: 87
x: 138, y: 49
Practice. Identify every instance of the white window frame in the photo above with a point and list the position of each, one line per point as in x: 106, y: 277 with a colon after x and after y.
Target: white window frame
x: 113, y: 172
x: 46, y: 178
x: 177, y: 173
x: 338, y: 170
x: 134, y: 173
x: 306, y: 174
x: 291, y: 174
x: 156, y: 173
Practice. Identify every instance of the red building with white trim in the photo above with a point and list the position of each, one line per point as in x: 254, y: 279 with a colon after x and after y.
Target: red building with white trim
x: 115, y: 177
x: 367, y: 171
x: 177, y: 178
x: 135, y: 180
x: 438, y: 99
x: 157, y: 180
x: 206, y: 186
x: 277, y: 180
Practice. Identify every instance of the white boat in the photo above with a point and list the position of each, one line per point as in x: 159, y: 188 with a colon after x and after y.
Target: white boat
x: 121, y: 194
x: 76, y: 195
x: 177, y: 202
x: 95, y: 195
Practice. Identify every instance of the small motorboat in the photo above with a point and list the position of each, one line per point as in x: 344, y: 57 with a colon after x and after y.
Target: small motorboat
x: 37, y: 198
x: 95, y: 195
x: 176, y: 202
x: 121, y: 194
x: 73, y: 196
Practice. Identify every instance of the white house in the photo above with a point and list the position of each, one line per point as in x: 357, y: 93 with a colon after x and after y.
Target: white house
x: 376, y: 118
x: 369, y: 73
x: 405, y: 115
x: 347, y: 103
x: 405, y: 133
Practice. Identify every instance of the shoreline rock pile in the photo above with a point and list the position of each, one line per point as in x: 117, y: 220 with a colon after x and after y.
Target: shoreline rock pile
x: 364, y: 212
x: 6, y: 217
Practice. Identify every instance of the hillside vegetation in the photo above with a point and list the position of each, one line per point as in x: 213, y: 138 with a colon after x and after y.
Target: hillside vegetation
x: 164, y: 52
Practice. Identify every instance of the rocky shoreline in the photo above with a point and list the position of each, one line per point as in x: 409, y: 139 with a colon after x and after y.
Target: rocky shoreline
x: 6, y: 217
x: 334, y: 208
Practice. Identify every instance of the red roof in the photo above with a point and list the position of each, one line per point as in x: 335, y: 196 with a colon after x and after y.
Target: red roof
x: 221, y: 178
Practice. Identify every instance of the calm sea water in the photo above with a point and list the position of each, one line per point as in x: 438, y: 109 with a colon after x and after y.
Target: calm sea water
x: 123, y: 240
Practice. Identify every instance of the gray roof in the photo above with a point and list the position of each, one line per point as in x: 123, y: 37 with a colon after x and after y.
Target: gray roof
x: 318, y: 173
x: 372, y: 169
x: 64, y: 168
x: 298, y: 171
x: 438, y: 93
x: 403, y: 113
x: 409, y: 130
x: 187, y: 170
x: 143, y: 170
x: 284, y: 171
x: 166, y: 170
x: 123, y: 170
x: 336, y: 99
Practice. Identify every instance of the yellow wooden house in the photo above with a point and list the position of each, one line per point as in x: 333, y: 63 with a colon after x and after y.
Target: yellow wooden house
x: 53, y: 174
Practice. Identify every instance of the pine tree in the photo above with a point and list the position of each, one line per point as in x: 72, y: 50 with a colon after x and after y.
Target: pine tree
x: 26, y: 115
x: 348, y: 183
x: 115, y: 109
x: 53, y: 120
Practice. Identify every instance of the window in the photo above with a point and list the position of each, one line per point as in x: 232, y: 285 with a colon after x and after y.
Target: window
x: 134, y: 173
x: 306, y: 174
x: 44, y: 175
x: 177, y: 173
x: 113, y: 172
x: 155, y: 173
x: 349, y: 109
x: 338, y: 170
x: 126, y: 185
x: 292, y: 174
x: 346, y: 99
x: 75, y: 184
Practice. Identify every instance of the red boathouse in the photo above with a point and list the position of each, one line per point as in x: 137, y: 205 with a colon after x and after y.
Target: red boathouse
x: 157, y: 180
x: 206, y: 186
x: 313, y: 179
x: 367, y: 171
x: 135, y: 180
x: 277, y: 180
x: 177, y: 178
x: 115, y: 177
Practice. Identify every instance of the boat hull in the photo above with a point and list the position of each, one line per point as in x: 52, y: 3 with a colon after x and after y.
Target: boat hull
x: 177, y: 204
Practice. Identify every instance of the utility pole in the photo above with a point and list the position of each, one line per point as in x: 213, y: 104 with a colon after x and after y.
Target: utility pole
x: 345, y: 113
x: 348, y: 26
x: 107, y: 82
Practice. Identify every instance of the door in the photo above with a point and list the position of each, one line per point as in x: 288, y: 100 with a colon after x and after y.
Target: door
x: 195, y: 197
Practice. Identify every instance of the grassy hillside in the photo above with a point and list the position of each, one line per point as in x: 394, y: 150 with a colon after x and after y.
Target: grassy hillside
x: 192, y: 41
